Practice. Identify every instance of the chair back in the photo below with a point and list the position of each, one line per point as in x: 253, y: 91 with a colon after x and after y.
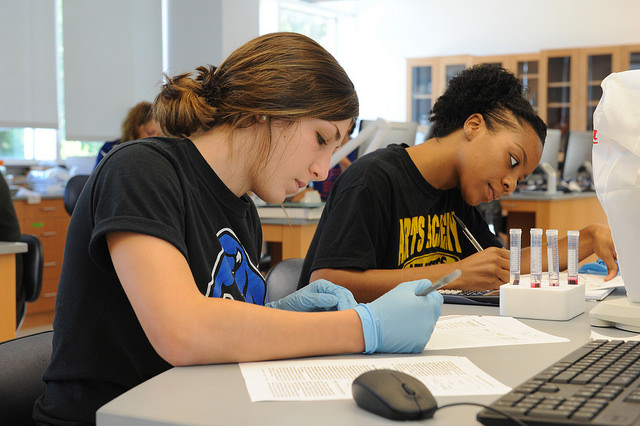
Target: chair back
x: 22, y: 364
x: 72, y: 191
x: 282, y: 278
x: 32, y: 265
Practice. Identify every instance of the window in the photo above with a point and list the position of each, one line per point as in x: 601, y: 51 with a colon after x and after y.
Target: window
x: 57, y: 110
x: 312, y: 22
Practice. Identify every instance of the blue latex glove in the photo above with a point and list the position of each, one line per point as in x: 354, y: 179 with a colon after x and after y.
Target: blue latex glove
x: 320, y: 295
x: 400, y: 321
x: 597, y: 268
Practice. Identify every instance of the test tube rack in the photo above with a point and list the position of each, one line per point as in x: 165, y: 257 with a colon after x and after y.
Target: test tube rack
x: 547, y: 302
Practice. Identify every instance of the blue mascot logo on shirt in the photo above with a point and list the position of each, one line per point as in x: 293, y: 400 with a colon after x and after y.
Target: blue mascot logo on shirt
x: 233, y: 275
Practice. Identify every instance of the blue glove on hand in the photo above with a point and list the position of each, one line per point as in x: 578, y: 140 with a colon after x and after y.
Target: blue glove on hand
x: 320, y: 295
x: 596, y: 268
x: 400, y: 321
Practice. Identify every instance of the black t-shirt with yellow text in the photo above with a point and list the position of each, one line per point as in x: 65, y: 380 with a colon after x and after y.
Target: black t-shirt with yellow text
x: 383, y: 214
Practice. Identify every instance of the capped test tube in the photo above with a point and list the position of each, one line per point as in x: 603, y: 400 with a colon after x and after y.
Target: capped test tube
x: 572, y: 256
x: 553, y: 261
x: 515, y: 238
x: 536, y: 257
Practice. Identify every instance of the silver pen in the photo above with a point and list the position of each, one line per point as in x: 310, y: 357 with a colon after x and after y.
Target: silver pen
x: 441, y: 282
x: 468, y: 233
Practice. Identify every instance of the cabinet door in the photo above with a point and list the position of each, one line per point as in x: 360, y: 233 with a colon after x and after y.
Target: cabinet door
x: 630, y: 58
x: 420, y: 96
x: 595, y: 64
x: 558, y: 77
x: 527, y: 69
x: 504, y: 61
x: 448, y: 67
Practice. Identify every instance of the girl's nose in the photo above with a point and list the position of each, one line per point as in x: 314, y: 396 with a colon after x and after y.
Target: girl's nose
x: 509, y: 184
x: 320, y: 168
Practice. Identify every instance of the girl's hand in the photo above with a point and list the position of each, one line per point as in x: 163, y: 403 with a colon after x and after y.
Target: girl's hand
x: 485, y: 270
x: 602, y: 246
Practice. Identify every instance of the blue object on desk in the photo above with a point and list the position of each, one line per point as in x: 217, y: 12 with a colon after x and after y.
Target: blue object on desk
x: 596, y: 268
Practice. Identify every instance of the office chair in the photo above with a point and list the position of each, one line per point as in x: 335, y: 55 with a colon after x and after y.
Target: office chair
x: 32, y: 265
x: 282, y: 278
x: 22, y: 363
x: 72, y: 191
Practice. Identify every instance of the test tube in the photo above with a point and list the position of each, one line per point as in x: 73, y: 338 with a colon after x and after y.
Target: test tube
x: 536, y: 257
x: 552, y: 257
x: 515, y: 237
x: 572, y: 258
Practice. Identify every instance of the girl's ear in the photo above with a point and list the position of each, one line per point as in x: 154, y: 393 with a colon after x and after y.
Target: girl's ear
x: 472, y: 126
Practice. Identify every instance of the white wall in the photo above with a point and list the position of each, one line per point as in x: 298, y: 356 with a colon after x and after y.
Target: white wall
x: 240, y: 23
x: 388, y: 32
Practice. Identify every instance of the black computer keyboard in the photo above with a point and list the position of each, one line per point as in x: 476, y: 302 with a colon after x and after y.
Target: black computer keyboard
x: 597, y: 384
x: 471, y: 297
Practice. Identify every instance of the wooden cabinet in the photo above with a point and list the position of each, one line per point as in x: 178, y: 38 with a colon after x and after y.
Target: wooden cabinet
x: 49, y: 221
x: 563, y: 85
x: 428, y: 78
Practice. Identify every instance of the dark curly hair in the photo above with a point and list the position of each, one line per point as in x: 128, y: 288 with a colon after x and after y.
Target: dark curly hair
x: 490, y: 91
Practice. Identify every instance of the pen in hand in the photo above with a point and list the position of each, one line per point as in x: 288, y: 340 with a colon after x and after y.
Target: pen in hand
x: 441, y: 282
x: 468, y: 233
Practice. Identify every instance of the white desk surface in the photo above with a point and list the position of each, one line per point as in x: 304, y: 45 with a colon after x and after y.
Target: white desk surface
x: 216, y: 394
x: 543, y: 196
x: 12, y: 248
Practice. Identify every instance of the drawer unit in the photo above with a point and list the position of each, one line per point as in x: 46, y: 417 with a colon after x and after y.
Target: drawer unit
x: 49, y: 221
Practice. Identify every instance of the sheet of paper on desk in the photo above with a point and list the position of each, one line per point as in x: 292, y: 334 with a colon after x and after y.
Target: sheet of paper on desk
x: 323, y: 379
x: 473, y: 331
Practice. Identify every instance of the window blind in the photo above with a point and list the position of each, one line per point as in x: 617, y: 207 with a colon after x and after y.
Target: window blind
x: 28, y: 64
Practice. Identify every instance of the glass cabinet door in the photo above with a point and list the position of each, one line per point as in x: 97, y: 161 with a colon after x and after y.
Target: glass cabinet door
x: 598, y: 67
x: 527, y: 72
x: 631, y: 58
x: 451, y: 70
x: 558, y: 92
x: 421, y: 93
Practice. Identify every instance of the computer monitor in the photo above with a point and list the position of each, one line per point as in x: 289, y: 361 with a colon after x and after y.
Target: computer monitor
x: 577, y: 154
x: 551, y: 148
x: 616, y: 161
x: 375, y: 134
x: 396, y: 132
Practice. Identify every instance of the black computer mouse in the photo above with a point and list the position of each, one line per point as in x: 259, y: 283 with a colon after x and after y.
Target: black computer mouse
x: 394, y: 395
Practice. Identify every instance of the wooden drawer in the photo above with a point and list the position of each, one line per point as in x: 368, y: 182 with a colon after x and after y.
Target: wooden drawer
x: 41, y: 210
x: 45, y: 303
x: 47, y: 299
x: 52, y: 231
x: 49, y: 221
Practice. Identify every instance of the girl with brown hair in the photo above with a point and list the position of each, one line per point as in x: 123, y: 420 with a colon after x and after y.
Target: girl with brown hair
x: 160, y: 266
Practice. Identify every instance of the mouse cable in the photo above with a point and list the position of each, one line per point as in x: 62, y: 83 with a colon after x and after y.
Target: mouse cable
x: 510, y: 417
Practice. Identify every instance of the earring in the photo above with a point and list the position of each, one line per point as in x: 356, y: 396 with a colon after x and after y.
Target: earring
x: 263, y: 117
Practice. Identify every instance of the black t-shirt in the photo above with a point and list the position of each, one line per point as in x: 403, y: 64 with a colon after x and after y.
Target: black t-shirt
x: 383, y: 214
x: 166, y: 189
